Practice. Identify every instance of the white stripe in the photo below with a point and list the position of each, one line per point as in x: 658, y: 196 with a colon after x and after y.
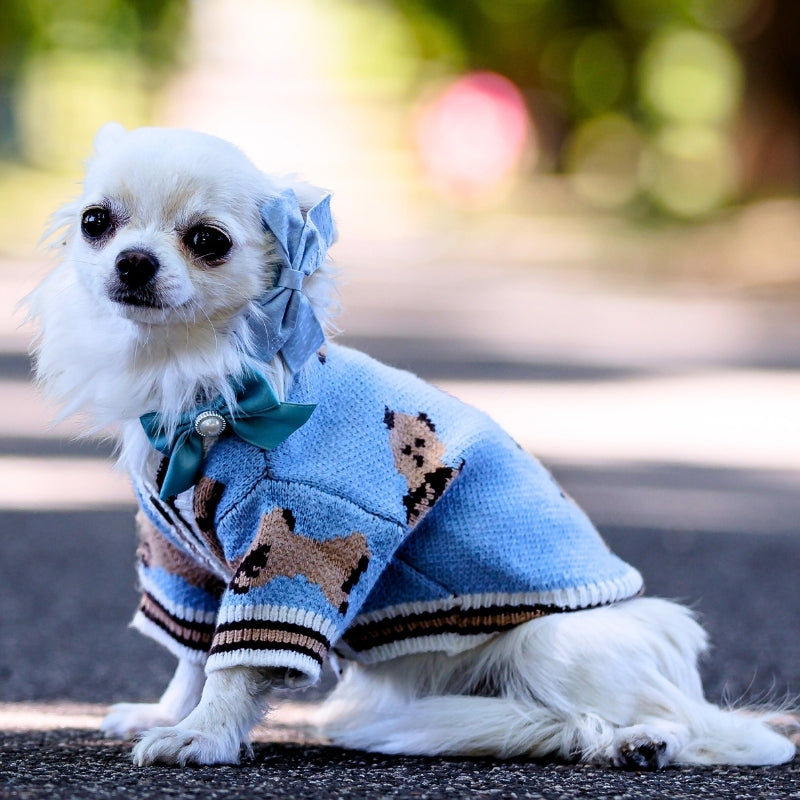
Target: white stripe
x: 724, y: 418
x: 244, y: 657
x: 450, y: 643
x: 28, y: 414
x: 174, y: 609
x: 155, y: 632
x: 282, y: 614
x: 88, y: 716
x: 627, y: 585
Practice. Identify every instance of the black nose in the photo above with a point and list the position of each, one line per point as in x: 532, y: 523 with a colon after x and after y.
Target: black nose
x: 136, y: 268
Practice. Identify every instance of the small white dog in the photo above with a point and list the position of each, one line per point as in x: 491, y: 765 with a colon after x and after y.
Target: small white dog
x: 299, y: 499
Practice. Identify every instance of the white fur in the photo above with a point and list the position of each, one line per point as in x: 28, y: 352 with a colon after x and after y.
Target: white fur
x: 615, y: 685
x: 605, y: 685
x: 180, y: 698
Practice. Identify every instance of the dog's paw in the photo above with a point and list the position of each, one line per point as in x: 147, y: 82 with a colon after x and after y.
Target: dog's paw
x: 184, y: 746
x: 126, y: 720
x: 642, y: 754
x: 641, y: 747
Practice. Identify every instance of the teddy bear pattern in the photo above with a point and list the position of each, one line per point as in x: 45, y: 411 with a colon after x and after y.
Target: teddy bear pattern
x: 418, y: 453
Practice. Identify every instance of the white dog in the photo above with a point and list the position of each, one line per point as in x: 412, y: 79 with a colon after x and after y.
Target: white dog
x: 299, y: 500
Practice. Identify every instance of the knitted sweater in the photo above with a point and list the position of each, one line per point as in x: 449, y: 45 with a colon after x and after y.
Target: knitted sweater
x: 396, y: 520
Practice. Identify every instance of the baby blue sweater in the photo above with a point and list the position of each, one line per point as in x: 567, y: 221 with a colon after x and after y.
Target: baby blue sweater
x: 396, y: 520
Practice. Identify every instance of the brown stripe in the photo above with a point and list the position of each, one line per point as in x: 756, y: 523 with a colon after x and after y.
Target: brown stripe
x: 207, y: 495
x: 260, y: 635
x: 196, y: 635
x: 275, y: 625
x: 492, y: 619
x: 268, y: 639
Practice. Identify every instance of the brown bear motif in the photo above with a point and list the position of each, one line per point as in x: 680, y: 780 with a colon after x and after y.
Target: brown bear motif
x: 335, y: 565
x: 418, y: 453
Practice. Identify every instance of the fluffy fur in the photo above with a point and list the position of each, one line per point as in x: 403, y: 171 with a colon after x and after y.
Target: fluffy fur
x: 614, y: 685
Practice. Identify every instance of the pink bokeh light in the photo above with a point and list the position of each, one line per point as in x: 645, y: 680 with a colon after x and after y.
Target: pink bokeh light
x: 473, y: 134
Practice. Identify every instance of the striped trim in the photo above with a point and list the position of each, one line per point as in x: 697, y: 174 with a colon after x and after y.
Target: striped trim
x: 148, y: 585
x: 207, y: 496
x: 243, y: 616
x: 281, y: 659
x: 270, y: 635
x: 467, y: 622
x: 148, y: 628
x: 193, y: 634
x: 405, y: 625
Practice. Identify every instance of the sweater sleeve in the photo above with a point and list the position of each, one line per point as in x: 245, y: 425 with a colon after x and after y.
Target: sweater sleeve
x: 299, y: 578
x: 180, y: 598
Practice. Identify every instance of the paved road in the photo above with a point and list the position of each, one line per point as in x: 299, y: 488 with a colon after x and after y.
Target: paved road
x: 64, y: 638
x: 67, y: 591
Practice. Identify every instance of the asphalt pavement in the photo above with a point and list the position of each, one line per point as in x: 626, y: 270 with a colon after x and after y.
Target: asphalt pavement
x: 67, y: 592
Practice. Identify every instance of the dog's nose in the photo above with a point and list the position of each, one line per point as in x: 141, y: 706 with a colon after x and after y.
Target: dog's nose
x: 136, y: 268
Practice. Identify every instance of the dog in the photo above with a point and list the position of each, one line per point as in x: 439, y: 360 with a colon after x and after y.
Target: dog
x: 300, y: 502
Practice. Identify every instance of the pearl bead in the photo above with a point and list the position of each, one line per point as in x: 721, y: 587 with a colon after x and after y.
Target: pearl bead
x: 210, y: 424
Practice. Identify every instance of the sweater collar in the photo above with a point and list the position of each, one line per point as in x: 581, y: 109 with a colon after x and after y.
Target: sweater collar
x: 257, y: 417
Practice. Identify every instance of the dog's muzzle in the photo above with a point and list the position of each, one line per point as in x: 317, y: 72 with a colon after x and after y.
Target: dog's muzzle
x: 135, y: 270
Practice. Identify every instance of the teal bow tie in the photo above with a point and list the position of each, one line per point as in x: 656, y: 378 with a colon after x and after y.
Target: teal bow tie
x: 259, y: 418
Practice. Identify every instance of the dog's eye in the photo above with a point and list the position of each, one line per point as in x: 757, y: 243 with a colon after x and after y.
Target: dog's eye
x: 95, y: 222
x: 206, y: 242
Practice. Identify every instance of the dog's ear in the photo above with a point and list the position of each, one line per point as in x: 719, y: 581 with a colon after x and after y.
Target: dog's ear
x: 108, y: 136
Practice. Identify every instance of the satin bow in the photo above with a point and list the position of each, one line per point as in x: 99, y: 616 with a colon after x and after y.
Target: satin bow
x: 258, y: 418
x: 289, y: 324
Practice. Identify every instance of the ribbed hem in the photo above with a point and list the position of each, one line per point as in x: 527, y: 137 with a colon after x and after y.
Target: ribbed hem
x: 458, y: 623
x: 281, y: 659
x: 151, y: 588
x: 271, y: 636
x: 242, y: 614
x: 154, y: 631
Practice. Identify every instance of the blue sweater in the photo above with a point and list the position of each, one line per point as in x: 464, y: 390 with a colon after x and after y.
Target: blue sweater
x: 396, y: 520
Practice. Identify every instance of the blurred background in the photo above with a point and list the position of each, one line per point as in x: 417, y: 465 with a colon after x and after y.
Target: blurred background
x: 671, y: 120
x: 580, y: 215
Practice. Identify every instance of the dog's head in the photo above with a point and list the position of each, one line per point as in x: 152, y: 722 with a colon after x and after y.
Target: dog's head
x: 168, y: 228
x: 168, y: 259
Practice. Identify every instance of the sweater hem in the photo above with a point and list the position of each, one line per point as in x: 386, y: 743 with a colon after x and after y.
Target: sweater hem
x: 154, y: 631
x: 238, y: 615
x: 188, y: 614
x: 457, y: 623
x: 268, y: 659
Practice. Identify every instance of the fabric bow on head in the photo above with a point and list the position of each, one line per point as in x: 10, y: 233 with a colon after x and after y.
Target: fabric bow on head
x: 258, y: 418
x: 289, y: 324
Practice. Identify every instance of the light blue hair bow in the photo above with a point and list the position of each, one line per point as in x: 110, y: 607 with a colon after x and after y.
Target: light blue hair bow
x: 287, y: 323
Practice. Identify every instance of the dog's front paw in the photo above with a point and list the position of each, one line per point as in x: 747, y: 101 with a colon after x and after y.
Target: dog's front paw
x: 185, y: 746
x: 126, y: 720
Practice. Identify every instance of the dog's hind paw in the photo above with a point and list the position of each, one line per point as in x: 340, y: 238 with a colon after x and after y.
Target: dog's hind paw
x: 126, y: 720
x: 183, y: 746
x: 641, y: 747
x: 647, y: 754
